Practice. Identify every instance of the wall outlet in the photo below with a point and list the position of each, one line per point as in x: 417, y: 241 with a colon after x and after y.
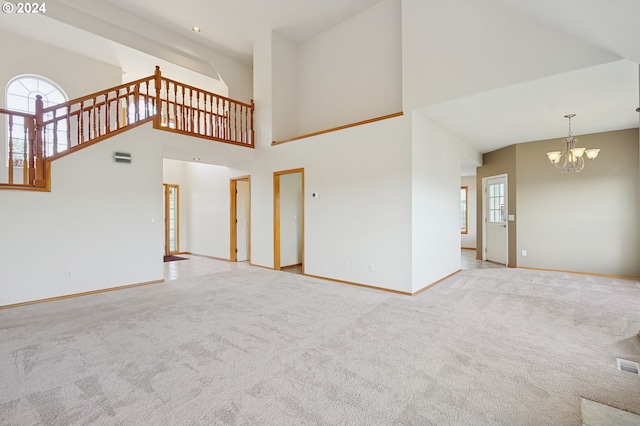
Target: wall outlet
x: 372, y: 267
x: 524, y: 252
x: 68, y: 275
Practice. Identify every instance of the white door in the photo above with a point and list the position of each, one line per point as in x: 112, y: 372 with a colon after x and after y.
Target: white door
x: 242, y: 220
x: 496, y: 242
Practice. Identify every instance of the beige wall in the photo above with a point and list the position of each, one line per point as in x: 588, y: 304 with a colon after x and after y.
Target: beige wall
x: 581, y: 222
x: 585, y: 221
x: 502, y: 161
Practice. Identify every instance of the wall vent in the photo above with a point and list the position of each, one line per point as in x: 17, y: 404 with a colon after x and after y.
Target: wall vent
x: 122, y: 157
x: 628, y: 366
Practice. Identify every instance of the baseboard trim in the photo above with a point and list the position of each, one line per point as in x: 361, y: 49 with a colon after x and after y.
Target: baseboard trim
x: 388, y: 290
x: 468, y: 248
x: 86, y: 293
x: 291, y: 266
x: 415, y: 293
x: 622, y: 277
x: 261, y: 266
x: 208, y: 257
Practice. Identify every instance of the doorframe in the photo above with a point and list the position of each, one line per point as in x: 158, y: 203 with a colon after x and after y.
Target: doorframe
x: 276, y: 215
x: 485, y: 201
x: 165, y: 188
x: 233, y: 225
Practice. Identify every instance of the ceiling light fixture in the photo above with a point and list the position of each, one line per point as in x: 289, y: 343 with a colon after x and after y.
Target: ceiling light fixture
x: 196, y: 158
x: 195, y: 29
x: 571, y: 159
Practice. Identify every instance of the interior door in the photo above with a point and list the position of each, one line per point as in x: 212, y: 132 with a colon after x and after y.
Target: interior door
x: 171, y: 219
x: 242, y: 220
x: 496, y: 220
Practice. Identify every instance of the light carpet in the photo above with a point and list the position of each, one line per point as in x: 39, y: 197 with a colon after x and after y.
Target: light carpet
x: 258, y: 347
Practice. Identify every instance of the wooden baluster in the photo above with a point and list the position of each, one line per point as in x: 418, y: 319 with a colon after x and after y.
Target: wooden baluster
x: 29, y: 152
x: 211, y: 116
x: 198, y: 128
x: 158, y: 84
x: 227, y: 132
x: 183, y: 127
x: 38, y: 140
x: 94, y: 112
x: 191, y: 112
x: 10, y: 171
x: 81, y: 124
x: 118, y: 102
x: 175, y: 106
x: 68, y: 126
x: 243, y: 124
x: 252, y: 130
x: 146, y: 99
x: 107, y: 114
x: 29, y: 123
x: 55, y: 133
x: 217, y: 133
x: 136, y: 99
x: 235, y: 121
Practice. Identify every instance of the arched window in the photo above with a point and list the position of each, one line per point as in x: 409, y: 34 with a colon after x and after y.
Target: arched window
x: 21, y: 96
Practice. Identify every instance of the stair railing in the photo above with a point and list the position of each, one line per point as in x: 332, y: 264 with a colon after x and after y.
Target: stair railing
x: 188, y: 110
x: 24, y: 148
x: 97, y: 116
x: 58, y: 130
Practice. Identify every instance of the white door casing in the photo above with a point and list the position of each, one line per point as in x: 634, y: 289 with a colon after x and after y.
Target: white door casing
x: 495, y: 219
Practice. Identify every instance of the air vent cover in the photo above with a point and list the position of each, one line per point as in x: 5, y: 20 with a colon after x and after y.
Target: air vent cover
x: 628, y: 366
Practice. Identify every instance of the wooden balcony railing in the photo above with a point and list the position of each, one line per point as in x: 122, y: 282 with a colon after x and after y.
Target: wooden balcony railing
x: 172, y: 106
x: 24, y: 149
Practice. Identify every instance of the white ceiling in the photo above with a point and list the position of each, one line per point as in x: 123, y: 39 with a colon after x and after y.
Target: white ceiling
x: 604, y: 97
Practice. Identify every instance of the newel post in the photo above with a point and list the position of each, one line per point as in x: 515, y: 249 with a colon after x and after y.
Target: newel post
x: 157, y: 120
x: 39, y: 180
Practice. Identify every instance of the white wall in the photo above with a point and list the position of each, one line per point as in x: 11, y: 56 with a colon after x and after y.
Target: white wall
x: 25, y: 56
x: 469, y: 66
x: 291, y: 219
x: 363, y: 212
x: 285, y: 88
x: 102, y: 221
x: 468, y: 240
x: 208, y: 198
x: 436, y: 203
x: 353, y: 71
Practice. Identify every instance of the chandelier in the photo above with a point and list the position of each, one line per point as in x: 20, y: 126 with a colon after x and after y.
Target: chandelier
x: 571, y: 159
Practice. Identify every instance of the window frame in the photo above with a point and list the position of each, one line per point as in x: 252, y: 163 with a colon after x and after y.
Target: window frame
x: 10, y: 93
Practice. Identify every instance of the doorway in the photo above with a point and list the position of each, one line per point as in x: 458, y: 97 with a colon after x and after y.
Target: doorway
x: 288, y: 219
x: 171, y: 219
x: 240, y: 223
x: 495, y: 223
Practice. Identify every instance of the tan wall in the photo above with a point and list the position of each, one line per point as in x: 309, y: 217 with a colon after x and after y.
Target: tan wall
x: 587, y: 221
x: 502, y: 161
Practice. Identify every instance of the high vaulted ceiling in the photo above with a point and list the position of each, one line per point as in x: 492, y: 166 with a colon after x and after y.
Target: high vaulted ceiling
x: 604, y: 96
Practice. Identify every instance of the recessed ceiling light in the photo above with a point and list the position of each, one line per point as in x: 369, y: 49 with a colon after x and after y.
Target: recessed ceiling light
x: 196, y: 158
x: 195, y: 29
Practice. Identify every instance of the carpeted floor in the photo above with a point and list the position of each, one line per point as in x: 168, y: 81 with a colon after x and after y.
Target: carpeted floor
x: 258, y: 347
